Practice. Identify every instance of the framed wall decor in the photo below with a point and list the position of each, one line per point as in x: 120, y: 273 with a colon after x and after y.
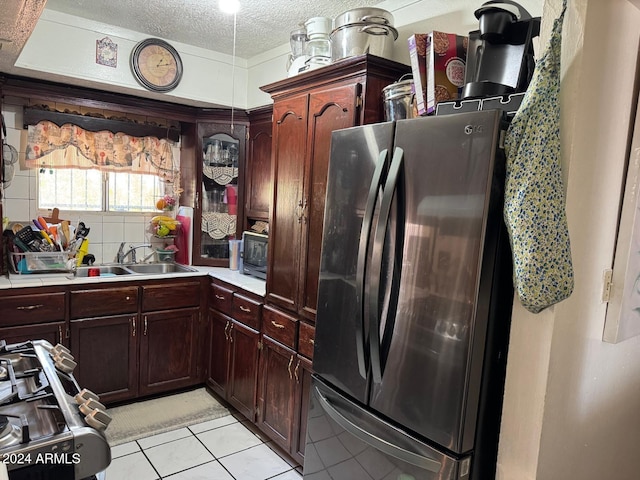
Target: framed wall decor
x: 107, y: 52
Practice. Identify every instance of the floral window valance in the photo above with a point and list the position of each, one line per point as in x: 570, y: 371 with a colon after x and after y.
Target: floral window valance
x: 69, y: 146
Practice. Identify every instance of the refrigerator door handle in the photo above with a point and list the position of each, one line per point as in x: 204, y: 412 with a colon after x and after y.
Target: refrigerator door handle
x: 376, y: 442
x: 378, y: 248
x: 363, y: 248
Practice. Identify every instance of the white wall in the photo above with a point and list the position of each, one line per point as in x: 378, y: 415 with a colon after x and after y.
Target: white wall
x: 63, y: 48
x: 571, y: 400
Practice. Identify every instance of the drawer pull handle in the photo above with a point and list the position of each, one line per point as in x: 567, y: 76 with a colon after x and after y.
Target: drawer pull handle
x: 289, y: 367
x: 59, y: 333
x: 219, y: 297
x: 30, y: 307
x: 145, y: 326
x: 226, y: 328
x: 133, y: 324
x: 276, y: 324
x: 295, y: 372
x: 231, y: 336
x: 245, y: 309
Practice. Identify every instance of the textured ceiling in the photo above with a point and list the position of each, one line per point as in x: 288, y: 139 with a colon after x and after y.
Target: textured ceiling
x: 261, y: 24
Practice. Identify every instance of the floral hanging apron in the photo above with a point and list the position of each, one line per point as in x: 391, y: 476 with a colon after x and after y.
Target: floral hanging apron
x: 534, y: 209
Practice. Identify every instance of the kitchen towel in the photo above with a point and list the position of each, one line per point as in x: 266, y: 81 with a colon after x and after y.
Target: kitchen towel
x: 534, y: 209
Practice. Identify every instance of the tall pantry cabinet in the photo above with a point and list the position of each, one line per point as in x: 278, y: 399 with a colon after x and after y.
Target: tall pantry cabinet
x: 307, y: 108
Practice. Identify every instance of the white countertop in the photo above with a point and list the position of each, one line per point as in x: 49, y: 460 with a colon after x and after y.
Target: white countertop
x: 246, y: 282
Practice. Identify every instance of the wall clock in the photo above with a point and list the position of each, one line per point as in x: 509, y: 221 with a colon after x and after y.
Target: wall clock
x: 156, y: 65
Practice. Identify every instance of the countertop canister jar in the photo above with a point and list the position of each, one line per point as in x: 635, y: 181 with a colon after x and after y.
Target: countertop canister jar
x: 399, y: 100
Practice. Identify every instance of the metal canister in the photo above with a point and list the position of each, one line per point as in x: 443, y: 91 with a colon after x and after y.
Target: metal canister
x: 399, y: 100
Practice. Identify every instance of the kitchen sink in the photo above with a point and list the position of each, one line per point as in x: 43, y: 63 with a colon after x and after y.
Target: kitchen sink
x: 103, y: 270
x: 159, y: 268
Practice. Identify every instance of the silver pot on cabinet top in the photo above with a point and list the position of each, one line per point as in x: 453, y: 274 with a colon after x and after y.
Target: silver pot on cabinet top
x: 363, y: 30
x: 366, y: 15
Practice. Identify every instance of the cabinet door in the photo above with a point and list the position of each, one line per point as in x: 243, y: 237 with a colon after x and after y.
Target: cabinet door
x: 243, y: 375
x: 107, y: 355
x: 219, y: 352
x: 51, y: 332
x: 302, y: 375
x: 285, y: 221
x: 277, y: 392
x: 221, y: 162
x: 329, y: 110
x: 168, y: 350
x: 258, y: 172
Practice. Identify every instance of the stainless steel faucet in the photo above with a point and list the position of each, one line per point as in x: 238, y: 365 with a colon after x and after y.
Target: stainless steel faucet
x: 120, y: 256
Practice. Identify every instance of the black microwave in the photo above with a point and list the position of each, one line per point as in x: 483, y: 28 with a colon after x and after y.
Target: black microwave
x: 254, y: 254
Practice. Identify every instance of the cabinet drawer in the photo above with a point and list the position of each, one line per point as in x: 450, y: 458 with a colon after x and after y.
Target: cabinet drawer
x: 247, y: 311
x: 104, y: 301
x: 168, y: 296
x: 280, y: 326
x: 306, y: 340
x: 30, y: 309
x: 221, y: 299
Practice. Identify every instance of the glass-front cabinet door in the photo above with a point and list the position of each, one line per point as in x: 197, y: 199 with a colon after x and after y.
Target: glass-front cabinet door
x: 218, y: 205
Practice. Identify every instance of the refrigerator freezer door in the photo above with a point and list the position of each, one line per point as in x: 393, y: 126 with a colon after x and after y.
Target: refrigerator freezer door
x: 356, y: 170
x: 431, y: 360
x: 346, y: 442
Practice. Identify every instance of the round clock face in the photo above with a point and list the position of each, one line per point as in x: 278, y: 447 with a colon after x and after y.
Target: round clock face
x: 156, y: 65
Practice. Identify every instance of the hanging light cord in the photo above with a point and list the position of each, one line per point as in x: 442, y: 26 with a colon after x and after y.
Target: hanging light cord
x: 233, y: 69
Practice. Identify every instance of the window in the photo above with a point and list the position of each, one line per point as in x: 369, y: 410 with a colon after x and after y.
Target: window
x: 96, y: 191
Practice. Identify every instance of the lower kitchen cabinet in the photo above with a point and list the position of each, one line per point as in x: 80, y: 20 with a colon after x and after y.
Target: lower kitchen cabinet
x: 51, y: 332
x: 302, y: 375
x: 106, y: 350
x: 219, y: 352
x: 276, y: 396
x: 136, y: 340
x: 168, y: 350
x: 33, y: 314
x: 233, y: 361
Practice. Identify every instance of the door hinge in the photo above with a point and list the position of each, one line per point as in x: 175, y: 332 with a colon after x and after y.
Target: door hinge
x: 607, y: 283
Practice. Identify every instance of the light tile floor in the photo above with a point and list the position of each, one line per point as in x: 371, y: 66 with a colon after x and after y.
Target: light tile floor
x: 221, y: 449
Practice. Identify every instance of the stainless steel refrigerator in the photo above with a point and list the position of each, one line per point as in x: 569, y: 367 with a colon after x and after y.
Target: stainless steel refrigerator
x: 414, y: 303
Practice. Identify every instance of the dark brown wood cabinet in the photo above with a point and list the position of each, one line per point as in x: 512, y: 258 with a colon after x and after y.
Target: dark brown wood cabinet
x: 169, y: 350
x: 52, y: 332
x: 258, y: 168
x: 307, y: 109
x: 276, y: 397
x: 234, y: 347
x: 220, y: 157
x: 137, y: 339
x: 106, y: 349
x: 302, y: 376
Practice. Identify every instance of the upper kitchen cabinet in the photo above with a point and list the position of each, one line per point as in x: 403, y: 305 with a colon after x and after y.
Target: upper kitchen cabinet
x: 307, y: 109
x: 258, y: 171
x: 218, y: 215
